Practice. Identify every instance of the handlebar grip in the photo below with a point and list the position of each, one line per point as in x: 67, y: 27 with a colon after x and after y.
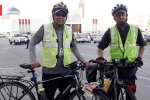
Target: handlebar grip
x: 93, y: 61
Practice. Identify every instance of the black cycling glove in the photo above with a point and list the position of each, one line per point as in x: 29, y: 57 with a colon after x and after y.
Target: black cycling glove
x: 139, y: 61
x: 100, y: 58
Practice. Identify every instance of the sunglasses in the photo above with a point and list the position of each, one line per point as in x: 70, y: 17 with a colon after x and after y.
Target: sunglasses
x: 63, y: 15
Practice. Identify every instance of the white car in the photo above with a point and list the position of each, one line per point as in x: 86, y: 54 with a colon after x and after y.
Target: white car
x: 79, y: 38
x: 97, y: 38
x: 17, y: 38
x: 2, y: 35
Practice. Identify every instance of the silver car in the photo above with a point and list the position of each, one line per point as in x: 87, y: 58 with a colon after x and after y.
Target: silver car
x: 2, y: 35
x: 97, y: 38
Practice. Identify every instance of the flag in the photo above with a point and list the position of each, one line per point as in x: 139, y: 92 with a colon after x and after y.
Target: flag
x: 0, y: 10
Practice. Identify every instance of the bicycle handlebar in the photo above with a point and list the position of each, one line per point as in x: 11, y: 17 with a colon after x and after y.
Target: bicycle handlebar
x: 114, y: 63
x: 76, y: 65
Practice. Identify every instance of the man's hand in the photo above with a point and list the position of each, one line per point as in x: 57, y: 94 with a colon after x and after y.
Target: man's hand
x: 34, y: 64
x: 139, y: 61
x: 86, y: 63
x: 101, y: 60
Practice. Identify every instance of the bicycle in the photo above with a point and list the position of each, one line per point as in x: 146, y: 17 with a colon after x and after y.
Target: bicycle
x: 8, y: 83
x: 122, y: 86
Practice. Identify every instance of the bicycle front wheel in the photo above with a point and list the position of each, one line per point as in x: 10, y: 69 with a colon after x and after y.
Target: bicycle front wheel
x: 122, y: 94
x: 15, y: 91
x: 74, y: 96
x: 84, y: 96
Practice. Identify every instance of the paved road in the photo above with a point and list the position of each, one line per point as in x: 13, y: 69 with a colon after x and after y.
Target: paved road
x: 12, y: 55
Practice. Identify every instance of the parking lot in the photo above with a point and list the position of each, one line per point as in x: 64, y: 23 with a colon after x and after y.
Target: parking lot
x: 13, y: 55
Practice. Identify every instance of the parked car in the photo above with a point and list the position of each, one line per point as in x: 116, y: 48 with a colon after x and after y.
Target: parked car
x: 17, y: 38
x: 2, y: 35
x: 82, y: 37
x: 86, y: 37
x: 78, y: 38
x: 147, y: 38
x: 97, y: 38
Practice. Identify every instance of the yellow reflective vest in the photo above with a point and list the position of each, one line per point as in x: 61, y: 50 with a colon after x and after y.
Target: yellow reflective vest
x: 117, y: 50
x: 50, y: 46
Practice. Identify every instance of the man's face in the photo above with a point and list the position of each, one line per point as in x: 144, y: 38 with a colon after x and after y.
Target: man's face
x: 60, y: 17
x: 121, y: 18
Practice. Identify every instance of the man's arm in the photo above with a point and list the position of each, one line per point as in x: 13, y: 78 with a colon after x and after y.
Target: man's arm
x: 35, y: 40
x: 100, y: 52
x: 141, y: 42
x: 75, y: 49
x: 141, y: 51
x: 104, y: 43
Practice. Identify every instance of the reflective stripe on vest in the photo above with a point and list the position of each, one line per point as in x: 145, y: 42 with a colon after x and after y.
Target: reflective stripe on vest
x: 50, y: 46
x: 117, y: 50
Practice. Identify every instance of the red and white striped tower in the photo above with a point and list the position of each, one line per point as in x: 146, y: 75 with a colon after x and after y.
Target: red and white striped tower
x: 26, y: 26
x: 20, y: 28
x: 23, y: 30
x: 96, y: 26
x: 0, y: 9
x: 93, y: 25
x: 29, y: 27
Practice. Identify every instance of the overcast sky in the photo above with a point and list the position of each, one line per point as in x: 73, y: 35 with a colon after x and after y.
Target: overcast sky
x: 93, y: 8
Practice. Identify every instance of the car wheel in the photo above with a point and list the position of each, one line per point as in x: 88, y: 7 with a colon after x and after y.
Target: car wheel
x: 89, y: 41
x: 10, y: 42
x: 15, y: 43
x: 94, y: 42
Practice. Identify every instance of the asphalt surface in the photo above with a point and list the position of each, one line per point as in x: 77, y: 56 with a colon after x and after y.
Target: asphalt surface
x: 11, y: 56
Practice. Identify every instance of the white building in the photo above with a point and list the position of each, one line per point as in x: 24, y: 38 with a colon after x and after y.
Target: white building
x: 12, y: 22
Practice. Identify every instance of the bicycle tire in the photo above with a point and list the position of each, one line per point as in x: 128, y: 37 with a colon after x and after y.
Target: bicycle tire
x: 122, y: 95
x: 4, y: 89
x: 99, y: 96
x: 73, y: 94
x: 95, y: 96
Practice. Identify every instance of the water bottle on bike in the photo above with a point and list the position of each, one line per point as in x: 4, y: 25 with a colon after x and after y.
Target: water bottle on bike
x: 107, y: 82
x: 42, y: 94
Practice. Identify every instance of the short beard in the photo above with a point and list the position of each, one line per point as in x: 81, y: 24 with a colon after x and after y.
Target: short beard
x: 58, y: 25
x: 121, y: 24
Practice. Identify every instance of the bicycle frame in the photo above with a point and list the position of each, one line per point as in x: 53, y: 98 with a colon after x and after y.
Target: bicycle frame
x: 34, y: 83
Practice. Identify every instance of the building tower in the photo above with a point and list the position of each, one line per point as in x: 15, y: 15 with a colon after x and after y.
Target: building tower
x: 81, y: 6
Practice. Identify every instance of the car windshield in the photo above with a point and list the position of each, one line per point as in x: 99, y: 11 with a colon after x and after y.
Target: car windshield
x: 18, y: 35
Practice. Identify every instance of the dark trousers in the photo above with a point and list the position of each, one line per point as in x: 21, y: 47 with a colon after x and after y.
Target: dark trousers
x: 51, y: 86
x: 27, y: 43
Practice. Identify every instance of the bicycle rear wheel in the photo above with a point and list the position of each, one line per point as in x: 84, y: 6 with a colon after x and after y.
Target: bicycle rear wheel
x: 14, y: 90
